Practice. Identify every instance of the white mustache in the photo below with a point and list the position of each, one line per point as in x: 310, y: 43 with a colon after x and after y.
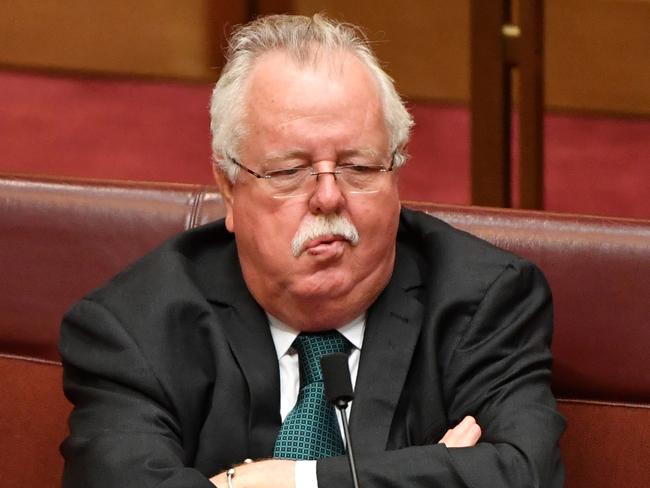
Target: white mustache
x: 322, y: 226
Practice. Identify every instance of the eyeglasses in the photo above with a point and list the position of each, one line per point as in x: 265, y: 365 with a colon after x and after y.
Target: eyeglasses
x: 296, y: 182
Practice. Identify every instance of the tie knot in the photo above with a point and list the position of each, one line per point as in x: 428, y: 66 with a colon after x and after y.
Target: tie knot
x: 312, y: 346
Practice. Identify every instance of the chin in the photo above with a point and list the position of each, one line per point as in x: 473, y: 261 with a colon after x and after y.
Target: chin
x: 322, y: 287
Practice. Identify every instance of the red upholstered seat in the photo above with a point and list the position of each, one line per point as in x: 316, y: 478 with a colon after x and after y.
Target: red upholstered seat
x: 60, y: 238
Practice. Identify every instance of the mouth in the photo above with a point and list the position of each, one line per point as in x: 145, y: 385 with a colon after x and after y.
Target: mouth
x: 322, y: 234
x: 326, y: 246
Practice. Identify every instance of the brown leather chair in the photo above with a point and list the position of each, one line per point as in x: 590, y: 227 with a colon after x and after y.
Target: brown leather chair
x: 60, y: 238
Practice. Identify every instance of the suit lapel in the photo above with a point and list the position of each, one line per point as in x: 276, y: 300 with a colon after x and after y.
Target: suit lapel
x: 392, y: 330
x: 247, y: 331
x: 251, y: 343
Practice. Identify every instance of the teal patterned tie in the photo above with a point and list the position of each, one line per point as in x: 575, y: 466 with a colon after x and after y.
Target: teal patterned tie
x: 310, y: 430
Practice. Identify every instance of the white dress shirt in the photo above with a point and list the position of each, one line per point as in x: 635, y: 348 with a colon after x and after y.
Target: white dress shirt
x: 283, y: 337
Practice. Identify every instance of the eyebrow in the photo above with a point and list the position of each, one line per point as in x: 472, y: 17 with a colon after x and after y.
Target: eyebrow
x: 363, y: 151
x: 279, y: 156
x: 284, y: 155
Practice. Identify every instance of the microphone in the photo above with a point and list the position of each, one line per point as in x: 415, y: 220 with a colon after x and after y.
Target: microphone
x: 338, y: 390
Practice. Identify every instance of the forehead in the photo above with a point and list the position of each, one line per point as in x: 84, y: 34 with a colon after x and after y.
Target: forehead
x: 331, y: 99
x: 279, y: 80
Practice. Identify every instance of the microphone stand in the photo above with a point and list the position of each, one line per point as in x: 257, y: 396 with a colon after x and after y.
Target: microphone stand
x: 338, y: 390
x: 341, y: 406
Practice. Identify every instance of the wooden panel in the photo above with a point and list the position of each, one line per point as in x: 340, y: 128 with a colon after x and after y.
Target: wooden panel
x: 596, y: 50
x: 490, y: 104
x: 530, y: 58
x: 267, y: 7
x: 598, y: 55
x: 424, y: 44
x: 164, y: 38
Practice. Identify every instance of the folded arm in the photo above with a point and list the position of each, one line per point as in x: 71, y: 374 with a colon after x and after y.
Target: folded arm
x: 281, y: 471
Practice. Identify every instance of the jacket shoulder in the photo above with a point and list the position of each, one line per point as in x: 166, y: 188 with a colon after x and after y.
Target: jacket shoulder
x: 174, y: 271
x: 438, y: 241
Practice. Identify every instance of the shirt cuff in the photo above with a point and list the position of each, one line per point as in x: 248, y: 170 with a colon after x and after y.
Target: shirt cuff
x: 306, y: 474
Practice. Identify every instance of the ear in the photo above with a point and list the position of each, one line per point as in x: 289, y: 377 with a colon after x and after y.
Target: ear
x: 226, y: 190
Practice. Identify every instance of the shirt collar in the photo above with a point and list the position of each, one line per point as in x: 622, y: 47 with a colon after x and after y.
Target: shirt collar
x: 283, y: 335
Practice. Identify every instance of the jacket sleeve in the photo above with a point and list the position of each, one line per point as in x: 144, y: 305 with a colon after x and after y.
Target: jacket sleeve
x: 499, y: 372
x: 123, y: 430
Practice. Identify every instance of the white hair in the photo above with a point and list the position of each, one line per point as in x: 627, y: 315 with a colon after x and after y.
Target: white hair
x: 300, y: 37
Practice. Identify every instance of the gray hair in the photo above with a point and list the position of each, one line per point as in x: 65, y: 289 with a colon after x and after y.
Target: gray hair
x: 297, y: 36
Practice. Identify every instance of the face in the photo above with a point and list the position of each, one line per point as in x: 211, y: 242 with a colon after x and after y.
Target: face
x: 317, y: 116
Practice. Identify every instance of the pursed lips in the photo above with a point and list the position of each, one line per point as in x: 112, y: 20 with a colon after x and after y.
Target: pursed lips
x: 324, y: 244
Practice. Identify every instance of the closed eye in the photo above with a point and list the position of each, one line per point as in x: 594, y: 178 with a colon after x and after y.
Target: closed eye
x: 286, y: 172
x: 360, y: 168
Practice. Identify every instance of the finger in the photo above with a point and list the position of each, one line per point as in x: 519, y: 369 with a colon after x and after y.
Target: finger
x: 465, y: 434
x: 454, y: 436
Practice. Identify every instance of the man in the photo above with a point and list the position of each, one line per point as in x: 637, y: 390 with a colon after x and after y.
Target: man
x: 193, y: 360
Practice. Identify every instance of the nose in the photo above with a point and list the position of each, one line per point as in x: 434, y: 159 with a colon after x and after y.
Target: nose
x: 327, y: 197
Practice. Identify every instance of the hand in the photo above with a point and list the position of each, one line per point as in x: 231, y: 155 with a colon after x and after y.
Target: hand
x: 465, y: 434
x: 272, y: 473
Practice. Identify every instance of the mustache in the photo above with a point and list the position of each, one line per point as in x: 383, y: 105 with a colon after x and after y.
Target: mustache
x: 322, y: 226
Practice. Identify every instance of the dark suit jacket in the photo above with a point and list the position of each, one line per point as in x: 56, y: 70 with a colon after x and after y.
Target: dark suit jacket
x: 173, y: 374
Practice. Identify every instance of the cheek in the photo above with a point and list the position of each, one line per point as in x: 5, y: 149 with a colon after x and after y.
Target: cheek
x: 379, y: 216
x: 264, y: 232
x: 378, y: 227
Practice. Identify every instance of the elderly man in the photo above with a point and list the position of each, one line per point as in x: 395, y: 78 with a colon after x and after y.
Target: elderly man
x: 204, y: 353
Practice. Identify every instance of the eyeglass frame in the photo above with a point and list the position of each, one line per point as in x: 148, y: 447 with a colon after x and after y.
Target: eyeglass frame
x: 314, y: 173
